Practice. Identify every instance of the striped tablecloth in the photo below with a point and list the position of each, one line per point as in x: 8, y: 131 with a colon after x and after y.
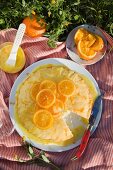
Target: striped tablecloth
x: 99, y: 153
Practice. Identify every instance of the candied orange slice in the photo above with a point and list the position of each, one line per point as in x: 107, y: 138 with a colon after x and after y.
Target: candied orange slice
x: 98, y: 45
x: 34, y: 90
x: 85, y: 52
x: 57, y: 107
x: 45, y: 98
x: 48, y: 84
x: 81, y: 33
x: 61, y: 97
x: 66, y: 87
x: 43, y: 119
x: 36, y: 107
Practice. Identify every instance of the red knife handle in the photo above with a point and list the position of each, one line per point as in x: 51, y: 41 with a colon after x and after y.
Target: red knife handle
x: 83, y: 145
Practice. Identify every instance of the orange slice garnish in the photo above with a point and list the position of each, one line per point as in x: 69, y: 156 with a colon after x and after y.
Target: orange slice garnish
x: 36, y: 107
x: 61, y: 97
x: 98, y: 45
x: 45, y: 98
x: 66, y: 87
x: 85, y: 52
x: 48, y: 84
x: 43, y: 119
x: 34, y: 90
x: 57, y: 108
x: 80, y: 34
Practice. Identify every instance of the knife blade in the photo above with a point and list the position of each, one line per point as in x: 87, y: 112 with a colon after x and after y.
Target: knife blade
x: 87, y: 133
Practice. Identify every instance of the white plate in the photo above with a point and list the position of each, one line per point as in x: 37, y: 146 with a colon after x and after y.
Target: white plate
x: 71, y: 65
x: 71, y: 48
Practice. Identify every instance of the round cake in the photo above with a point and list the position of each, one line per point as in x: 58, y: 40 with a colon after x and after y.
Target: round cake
x: 53, y: 105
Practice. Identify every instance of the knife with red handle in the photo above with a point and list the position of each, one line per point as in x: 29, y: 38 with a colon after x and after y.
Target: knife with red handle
x: 87, y: 133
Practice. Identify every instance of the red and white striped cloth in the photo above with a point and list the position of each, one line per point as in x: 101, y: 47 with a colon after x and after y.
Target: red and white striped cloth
x: 99, y: 152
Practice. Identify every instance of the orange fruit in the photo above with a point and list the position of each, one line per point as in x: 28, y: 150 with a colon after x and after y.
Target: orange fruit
x: 57, y: 107
x: 80, y: 34
x: 61, y: 97
x: 34, y: 28
x: 43, y: 119
x: 89, y: 40
x: 45, y: 98
x: 85, y: 52
x: 36, y: 107
x: 66, y: 87
x: 48, y: 84
x: 98, y: 45
x: 34, y: 90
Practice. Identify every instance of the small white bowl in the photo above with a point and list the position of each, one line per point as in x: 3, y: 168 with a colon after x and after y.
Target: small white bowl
x: 71, y: 47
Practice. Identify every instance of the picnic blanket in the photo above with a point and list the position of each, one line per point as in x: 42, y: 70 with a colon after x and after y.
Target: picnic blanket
x: 99, y: 152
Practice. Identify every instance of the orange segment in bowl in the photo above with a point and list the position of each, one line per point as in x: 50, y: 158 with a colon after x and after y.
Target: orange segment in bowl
x: 45, y: 98
x: 89, y: 40
x: 57, y: 107
x: 98, y: 45
x: 66, y: 87
x: 43, y: 119
x: 34, y: 90
x: 85, y: 52
x: 48, y: 84
x: 81, y: 33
